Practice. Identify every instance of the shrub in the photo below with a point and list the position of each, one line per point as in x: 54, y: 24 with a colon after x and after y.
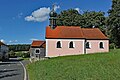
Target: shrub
x: 112, y: 46
x: 26, y: 55
x: 12, y: 54
x: 19, y: 54
x: 22, y: 54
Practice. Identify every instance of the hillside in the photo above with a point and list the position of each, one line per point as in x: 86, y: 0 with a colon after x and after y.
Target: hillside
x: 100, y: 66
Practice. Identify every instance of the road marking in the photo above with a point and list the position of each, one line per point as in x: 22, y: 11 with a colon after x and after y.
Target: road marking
x: 25, y: 74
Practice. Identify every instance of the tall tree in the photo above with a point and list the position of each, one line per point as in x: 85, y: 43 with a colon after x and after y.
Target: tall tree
x: 113, y: 22
x: 19, y: 47
x: 92, y: 18
x: 88, y: 19
x: 68, y: 17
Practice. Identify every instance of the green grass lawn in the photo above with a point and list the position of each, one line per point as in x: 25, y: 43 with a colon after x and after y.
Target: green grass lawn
x: 100, y: 66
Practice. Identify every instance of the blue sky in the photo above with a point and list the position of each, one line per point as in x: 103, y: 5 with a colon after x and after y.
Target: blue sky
x: 22, y: 21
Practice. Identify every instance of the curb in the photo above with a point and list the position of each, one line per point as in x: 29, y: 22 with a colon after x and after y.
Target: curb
x: 25, y: 73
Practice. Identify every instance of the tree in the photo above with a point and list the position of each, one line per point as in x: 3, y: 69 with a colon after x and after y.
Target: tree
x: 92, y: 18
x: 88, y: 19
x: 11, y: 54
x: 68, y: 17
x: 19, y: 47
x: 113, y: 22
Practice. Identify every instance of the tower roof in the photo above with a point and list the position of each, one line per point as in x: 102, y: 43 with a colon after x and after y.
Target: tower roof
x: 52, y: 12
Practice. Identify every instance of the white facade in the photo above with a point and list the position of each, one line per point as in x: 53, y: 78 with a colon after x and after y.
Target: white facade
x: 79, y: 47
x: 4, y: 52
x: 53, y: 51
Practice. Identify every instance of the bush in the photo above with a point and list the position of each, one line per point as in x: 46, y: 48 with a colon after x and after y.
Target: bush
x: 12, y: 54
x: 26, y: 55
x: 112, y: 46
x: 21, y: 54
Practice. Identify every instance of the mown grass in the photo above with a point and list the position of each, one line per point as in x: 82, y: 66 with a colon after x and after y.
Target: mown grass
x: 100, y: 66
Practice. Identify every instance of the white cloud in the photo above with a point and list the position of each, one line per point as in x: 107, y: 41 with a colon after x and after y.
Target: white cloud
x: 32, y: 39
x: 18, y: 16
x: 2, y: 40
x: 10, y: 41
x: 13, y: 41
x: 56, y: 7
x: 77, y: 9
x: 29, y: 18
x: 39, y: 15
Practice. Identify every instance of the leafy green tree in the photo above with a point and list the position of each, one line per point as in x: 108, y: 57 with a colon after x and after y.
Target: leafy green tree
x: 113, y: 22
x: 19, y: 47
x: 11, y: 54
x: 92, y: 18
x: 88, y: 19
x: 68, y: 17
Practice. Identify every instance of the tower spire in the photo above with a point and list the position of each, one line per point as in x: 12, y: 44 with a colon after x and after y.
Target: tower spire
x: 53, y: 16
x: 53, y: 7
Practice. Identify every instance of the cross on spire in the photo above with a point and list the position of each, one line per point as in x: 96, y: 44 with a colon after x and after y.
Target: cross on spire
x: 53, y: 16
x: 53, y: 7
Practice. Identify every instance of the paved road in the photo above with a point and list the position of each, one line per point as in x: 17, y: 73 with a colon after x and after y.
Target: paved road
x: 11, y: 70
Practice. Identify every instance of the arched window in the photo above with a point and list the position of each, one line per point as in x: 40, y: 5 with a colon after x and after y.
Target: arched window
x: 37, y: 51
x: 87, y: 45
x: 71, y: 44
x: 101, y: 45
x: 58, y: 44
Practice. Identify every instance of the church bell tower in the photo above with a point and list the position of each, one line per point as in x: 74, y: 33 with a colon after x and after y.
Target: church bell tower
x: 53, y: 17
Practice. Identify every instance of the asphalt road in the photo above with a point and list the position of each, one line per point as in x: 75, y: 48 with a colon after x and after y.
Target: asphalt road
x: 11, y: 70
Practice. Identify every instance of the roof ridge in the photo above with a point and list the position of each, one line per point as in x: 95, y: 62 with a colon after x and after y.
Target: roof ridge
x: 43, y: 43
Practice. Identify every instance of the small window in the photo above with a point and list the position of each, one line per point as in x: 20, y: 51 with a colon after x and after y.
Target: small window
x: 58, y: 44
x: 37, y: 51
x: 71, y: 45
x: 37, y: 56
x: 87, y: 45
x: 101, y: 45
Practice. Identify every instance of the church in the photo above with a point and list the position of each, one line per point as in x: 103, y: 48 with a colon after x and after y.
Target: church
x: 71, y: 40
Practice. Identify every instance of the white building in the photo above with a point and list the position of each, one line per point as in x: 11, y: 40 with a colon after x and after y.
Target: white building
x: 3, y: 51
x: 37, y: 50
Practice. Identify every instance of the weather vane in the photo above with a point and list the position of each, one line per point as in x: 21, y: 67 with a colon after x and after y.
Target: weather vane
x: 53, y: 8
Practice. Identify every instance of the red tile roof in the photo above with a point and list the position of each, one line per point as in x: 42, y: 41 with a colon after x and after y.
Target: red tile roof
x: 74, y: 32
x: 38, y: 44
x: 93, y: 33
x: 64, y: 32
